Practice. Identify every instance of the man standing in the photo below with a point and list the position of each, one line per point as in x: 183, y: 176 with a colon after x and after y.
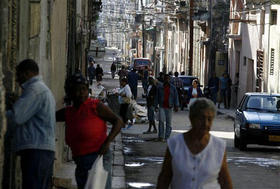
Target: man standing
x: 99, y: 73
x: 167, y: 98
x: 132, y: 79
x: 34, y: 116
x: 178, y: 83
x: 225, y: 92
x: 113, y: 69
x: 145, y: 77
x: 91, y: 72
x: 122, y: 73
x: 213, y: 85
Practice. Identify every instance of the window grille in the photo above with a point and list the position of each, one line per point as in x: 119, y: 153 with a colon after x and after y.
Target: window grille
x: 272, y: 62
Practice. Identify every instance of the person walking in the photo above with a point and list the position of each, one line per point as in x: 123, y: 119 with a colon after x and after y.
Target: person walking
x: 122, y: 73
x: 144, y: 80
x: 167, y: 98
x: 91, y: 72
x: 34, y: 117
x: 178, y: 83
x: 113, y: 69
x: 213, y: 85
x: 225, y: 90
x: 151, y: 101
x: 132, y: 79
x: 124, y: 99
x: 99, y: 72
x: 86, y: 129
x: 196, y: 159
x: 194, y: 92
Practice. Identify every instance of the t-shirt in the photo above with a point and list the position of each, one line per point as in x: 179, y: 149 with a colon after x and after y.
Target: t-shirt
x: 166, y: 96
x: 85, y: 130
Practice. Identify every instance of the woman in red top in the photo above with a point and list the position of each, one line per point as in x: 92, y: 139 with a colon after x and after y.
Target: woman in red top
x: 86, y: 129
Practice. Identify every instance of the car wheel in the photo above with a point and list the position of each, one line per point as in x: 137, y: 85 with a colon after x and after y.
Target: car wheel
x: 242, y: 142
x: 236, y: 141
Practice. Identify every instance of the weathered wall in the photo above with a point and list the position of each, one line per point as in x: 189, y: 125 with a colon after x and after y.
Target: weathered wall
x: 58, y: 65
x: 274, y: 43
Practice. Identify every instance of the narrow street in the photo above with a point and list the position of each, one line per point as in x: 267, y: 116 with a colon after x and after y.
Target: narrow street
x: 258, y: 167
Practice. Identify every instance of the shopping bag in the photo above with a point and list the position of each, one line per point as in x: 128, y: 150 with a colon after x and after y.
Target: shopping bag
x: 126, y: 100
x: 97, y: 175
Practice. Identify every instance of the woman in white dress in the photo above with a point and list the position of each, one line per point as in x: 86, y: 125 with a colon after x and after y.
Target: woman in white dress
x: 196, y: 159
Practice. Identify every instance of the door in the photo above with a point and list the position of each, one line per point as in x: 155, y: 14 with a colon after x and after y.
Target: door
x: 250, y: 75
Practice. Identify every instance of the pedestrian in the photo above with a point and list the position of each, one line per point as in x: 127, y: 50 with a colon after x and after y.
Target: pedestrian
x: 91, y: 72
x: 132, y: 79
x: 113, y: 69
x: 86, y: 129
x: 225, y: 90
x: 144, y: 79
x: 196, y: 159
x: 160, y: 77
x: 151, y: 103
x: 178, y: 83
x: 167, y: 98
x: 183, y: 73
x: 34, y: 117
x: 124, y: 99
x: 213, y: 85
x: 194, y: 92
x: 99, y: 72
x: 122, y: 73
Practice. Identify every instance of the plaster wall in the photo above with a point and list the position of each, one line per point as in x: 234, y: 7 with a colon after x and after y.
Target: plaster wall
x: 249, y: 47
x: 274, y: 43
x: 58, y: 65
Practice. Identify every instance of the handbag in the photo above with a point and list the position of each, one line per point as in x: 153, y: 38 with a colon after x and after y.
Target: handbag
x: 97, y: 175
x: 126, y: 100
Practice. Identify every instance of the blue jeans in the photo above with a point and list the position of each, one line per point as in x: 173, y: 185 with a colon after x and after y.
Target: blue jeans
x: 37, y: 168
x: 165, y: 115
x: 84, y: 164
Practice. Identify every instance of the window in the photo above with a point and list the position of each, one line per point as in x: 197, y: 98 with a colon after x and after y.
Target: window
x: 273, y: 17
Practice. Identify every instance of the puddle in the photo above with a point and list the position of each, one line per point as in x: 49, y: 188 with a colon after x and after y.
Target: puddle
x: 132, y: 140
x: 134, y: 164
x: 140, y: 185
x: 263, y: 162
x: 127, y: 150
x: 157, y: 160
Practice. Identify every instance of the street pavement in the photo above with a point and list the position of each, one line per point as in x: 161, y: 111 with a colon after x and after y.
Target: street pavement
x: 137, y: 157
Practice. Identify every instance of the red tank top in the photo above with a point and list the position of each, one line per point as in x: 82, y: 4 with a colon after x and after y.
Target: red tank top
x: 85, y: 131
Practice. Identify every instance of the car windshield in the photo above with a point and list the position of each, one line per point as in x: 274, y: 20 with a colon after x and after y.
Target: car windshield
x: 264, y: 103
x: 187, y: 81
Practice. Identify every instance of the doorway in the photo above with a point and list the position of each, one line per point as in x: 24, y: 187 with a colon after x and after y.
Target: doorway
x: 250, y: 75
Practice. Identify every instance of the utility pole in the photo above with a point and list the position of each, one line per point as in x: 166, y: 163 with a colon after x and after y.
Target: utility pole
x: 143, y: 30
x: 191, y: 38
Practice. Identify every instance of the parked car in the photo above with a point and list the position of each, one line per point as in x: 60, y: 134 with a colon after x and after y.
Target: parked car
x: 141, y: 63
x: 187, y: 83
x: 257, y: 120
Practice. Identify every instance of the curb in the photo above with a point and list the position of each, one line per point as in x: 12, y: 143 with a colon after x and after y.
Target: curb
x: 118, y: 173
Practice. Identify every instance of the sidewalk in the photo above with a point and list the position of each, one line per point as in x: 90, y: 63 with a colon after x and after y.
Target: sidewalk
x: 229, y: 112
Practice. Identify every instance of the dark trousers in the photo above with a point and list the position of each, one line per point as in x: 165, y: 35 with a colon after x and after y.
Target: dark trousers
x: 37, y: 168
x: 123, y: 112
x: 84, y: 164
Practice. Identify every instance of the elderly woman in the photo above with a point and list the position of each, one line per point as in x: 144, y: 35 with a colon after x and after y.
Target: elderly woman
x: 196, y: 159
